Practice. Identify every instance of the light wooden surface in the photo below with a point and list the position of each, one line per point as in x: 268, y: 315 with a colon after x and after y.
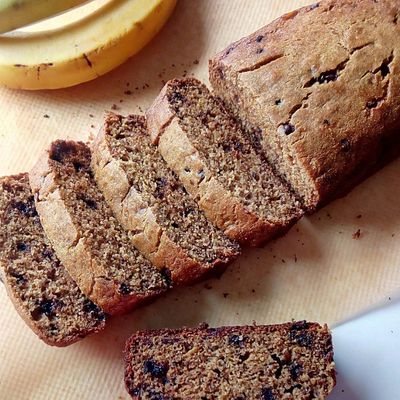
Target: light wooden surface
x: 318, y: 271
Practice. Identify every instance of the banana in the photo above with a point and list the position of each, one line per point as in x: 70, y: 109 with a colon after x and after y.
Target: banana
x: 17, y: 13
x: 82, y: 50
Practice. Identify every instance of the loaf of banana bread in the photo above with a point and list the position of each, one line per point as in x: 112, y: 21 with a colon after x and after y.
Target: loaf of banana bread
x: 166, y: 225
x: 319, y: 91
x: 41, y: 289
x: 289, y: 361
x: 86, y: 236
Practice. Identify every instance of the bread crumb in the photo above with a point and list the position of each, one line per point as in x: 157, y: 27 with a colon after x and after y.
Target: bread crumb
x: 357, y: 234
x: 359, y: 216
x: 128, y: 92
x: 114, y: 107
x: 225, y: 295
x: 207, y: 286
x: 46, y: 116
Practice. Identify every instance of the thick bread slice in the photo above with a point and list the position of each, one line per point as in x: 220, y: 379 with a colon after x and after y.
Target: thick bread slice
x: 205, y: 147
x: 288, y: 361
x: 42, y: 291
x: 86, y: 236
x: 321, y: 87
x: 165, y: 224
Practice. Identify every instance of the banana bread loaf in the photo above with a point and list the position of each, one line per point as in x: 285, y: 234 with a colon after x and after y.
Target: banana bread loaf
x: 319, y: 90
x: 205, y: 147
x: 166, y: 225
x: 43, y: 293
x: 289, y: 361
x: 87, y: 238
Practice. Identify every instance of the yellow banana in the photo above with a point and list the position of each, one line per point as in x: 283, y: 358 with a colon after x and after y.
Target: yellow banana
x: 82, y: 50
x: 17, y: 13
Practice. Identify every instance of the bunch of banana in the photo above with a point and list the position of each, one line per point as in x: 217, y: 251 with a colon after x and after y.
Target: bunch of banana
x: 79, y: 51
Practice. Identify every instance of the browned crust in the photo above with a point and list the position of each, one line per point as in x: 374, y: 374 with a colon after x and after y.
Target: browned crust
x: 70, y: 248
x: 333, y: 159
x: 220, y: 207
x: 138, y: 218
x: 187, y: 333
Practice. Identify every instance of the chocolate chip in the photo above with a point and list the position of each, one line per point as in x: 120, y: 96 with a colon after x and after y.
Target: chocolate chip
x: 278, y: 371
x: 166, y: 273
x: 186, y: 169
x: 328, y: 76
x: 91, y: 308
x: 372, y: 103
x: 326, y: 122
x: 124, y: 289
x: 176, y: 97
x: 19, y: 278
x: 299, y: 325
x: 259, y: 38
x: 89, y: 202
x: 385, y: 70
x: 22, y: 246
x: 278, y: 101
x: 236, y: 340
x: 288, y: 129
x: 303, y: 339
x: 156, y: 370
x: 77, y: 166
x: 244, y: 357
x: 28, y: 209
x: 267, y: 394
x: 260, y: 50
x: 175, y: 225
x: 345, y: 145
x: 46, y: 307
x: 295, y: 370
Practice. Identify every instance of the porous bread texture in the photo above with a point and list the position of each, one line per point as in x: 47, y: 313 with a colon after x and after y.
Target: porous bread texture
x: 42, y: 291
x: 288, y: 361
x: 319, y: 88
x: 166, y: 225
x: 204, y: 146
x: 86, y: 236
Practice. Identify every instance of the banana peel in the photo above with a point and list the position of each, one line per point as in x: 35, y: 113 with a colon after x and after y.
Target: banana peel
x: 83, y: 50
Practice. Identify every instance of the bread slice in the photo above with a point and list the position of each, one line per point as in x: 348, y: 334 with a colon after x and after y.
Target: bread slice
x: 289, y: 361
x: 42, y: 291
x: 165, y: 224
x: 321, y: 87
x: 87, y: 238
x: 205, y: 147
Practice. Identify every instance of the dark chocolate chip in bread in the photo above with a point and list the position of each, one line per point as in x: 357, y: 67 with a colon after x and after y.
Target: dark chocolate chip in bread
x: 86, y: 236
x: 164, y: 223
x: 204, y: 145
x: 247, y: 362
x: 43, y: 292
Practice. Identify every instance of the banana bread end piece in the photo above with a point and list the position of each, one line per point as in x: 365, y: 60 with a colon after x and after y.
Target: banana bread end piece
x: 41, y: 289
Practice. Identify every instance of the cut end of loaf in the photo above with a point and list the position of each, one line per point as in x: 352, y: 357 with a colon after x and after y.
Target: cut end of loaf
x: 44, y: 294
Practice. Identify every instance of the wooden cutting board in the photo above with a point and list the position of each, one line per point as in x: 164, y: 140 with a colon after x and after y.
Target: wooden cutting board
x: 329, y: 266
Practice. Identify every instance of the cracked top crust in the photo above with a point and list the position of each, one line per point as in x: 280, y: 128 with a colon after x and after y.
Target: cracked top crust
x: 323, y: 84
x: 86, y: 236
